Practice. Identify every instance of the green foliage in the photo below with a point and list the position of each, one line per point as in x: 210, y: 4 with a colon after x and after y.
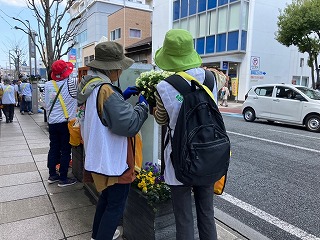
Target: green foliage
x: 298, y: 25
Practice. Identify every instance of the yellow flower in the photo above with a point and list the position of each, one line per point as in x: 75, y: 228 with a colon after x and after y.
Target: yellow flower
x: 144, y: 189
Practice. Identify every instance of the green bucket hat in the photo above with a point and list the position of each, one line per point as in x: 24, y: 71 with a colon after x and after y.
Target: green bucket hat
x: 110, y: 56
x: 177, y: 53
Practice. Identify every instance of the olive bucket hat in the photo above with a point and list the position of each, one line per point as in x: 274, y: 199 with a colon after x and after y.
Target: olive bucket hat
x: 110, y: 56
x: 177, y: 53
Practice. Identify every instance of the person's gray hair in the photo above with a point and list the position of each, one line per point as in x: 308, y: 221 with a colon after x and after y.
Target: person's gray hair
x: 6, y: 80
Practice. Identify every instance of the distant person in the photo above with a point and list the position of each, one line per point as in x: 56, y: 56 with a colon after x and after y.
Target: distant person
x: 178, y: 55
x: 8, y: 100
x: 225, y: 93
x: 1, y: 93
x: 59, y: 108
x: 26, y: 96
x: 107, y: 124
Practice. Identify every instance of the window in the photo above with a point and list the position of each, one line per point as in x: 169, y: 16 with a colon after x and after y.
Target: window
x: 234, y: 17
x: 210, y: 41
x: 86, y: 60
x: 135, y: 33
x: 221, y: 42
x: 193, y: 26
x: 285, y: 92
x: 192, y: 7
x: 200, y: 45
x: 245, y: 16
x: 243, y: 40
x: 184, y: 8
x: 202, y: 24
x: 222, y: 20
x: 115, y: 34
x: 264, y: 91
x: 212, y: 4
x: 202, y: 5
x: 222, y: 2
x: 233, y: 40
x: 212, y: 22
x: 176, y: 10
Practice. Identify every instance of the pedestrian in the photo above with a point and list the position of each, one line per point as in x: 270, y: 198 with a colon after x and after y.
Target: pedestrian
x: 8, y: 100
x: 107, y: 125
x: 26, y: 96
x: 60, y: 105
x: 1, y: 94
x: 225, y: 93
x: 178, y: 54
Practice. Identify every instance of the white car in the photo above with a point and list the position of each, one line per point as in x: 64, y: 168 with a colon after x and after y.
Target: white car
x: 286, y: 103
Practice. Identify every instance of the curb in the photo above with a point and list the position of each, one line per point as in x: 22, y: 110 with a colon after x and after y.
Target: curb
x: 243, y: 230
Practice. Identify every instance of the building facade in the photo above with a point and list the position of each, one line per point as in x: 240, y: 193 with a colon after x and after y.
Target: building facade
x: 237, y: 37
x: 96, y: 25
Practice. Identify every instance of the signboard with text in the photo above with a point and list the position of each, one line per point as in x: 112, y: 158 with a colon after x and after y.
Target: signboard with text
x: 255, y: 63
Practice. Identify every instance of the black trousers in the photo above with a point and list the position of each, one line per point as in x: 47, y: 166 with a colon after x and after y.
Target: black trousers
x: 182, y: 208
x: 8, y: 110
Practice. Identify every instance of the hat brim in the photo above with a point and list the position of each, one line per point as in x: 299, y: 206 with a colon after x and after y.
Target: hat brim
x: 172, y: 63
x: 65, y: 74
x: 123, y: 64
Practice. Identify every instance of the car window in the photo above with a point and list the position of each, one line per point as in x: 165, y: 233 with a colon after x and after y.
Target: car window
x: 311, y: 93
x: 286, y: 92
x: 264, y: 91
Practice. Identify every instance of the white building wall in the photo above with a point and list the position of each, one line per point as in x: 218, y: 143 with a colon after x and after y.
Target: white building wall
x: 279, y: 62
x: 162, y: 18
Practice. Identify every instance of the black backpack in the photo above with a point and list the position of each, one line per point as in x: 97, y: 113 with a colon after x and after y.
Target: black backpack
x: 200, y: 145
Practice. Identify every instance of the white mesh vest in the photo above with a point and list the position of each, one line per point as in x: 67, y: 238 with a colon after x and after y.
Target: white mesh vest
x: 106, y: 152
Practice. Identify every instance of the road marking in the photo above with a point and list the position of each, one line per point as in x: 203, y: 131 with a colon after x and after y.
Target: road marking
x: 300, y: 135
x: 269, y: 218
x: 275, y: 142
x: 238, y: 115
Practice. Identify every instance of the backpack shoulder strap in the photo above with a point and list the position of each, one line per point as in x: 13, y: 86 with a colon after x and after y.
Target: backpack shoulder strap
x: 209, y: 80
x: 179, y: 84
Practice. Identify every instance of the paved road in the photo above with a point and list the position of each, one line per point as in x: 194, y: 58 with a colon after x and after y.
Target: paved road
x: 274, y: 179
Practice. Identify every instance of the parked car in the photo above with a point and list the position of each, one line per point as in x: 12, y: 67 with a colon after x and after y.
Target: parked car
x: 286, y: 103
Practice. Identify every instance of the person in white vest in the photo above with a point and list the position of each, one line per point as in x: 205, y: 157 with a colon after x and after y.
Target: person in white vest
x: 26, y: 99
x: 8, y: 100
x: 178, y: 55
x: 60, y: 105
x: 108, y: 122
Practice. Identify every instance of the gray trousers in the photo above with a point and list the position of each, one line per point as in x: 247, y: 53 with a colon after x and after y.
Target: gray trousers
x: 182, y: 208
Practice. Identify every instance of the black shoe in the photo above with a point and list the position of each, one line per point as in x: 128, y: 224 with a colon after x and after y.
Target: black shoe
x: 67, y: 182
x: 53, y: 179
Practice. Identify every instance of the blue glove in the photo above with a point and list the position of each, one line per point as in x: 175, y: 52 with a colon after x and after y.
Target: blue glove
x: 142, y: 99
x: 129, y: 92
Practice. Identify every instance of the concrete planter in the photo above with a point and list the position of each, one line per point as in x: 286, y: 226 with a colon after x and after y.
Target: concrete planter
x: 142, y: 221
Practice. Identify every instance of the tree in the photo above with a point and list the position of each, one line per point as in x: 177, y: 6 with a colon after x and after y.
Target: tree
x: 16, y: 53
x: 53, y: 41
x: 298, y: 25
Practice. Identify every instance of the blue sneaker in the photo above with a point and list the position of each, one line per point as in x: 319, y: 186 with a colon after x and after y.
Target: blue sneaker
x: 53, y: 179
x: 67, y: 182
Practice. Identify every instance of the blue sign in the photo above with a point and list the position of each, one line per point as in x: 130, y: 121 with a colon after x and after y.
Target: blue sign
x: 257, y: 72
x: 225, y: 65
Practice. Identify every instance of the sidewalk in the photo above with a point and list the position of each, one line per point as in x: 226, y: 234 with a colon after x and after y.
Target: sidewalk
x: 32, y: 209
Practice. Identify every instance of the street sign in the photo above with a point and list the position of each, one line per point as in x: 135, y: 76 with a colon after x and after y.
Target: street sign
x: 255, y: 63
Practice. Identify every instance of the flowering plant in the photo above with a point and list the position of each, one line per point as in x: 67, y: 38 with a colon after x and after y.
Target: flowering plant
x: 152, y: 185
x: 147, y: 83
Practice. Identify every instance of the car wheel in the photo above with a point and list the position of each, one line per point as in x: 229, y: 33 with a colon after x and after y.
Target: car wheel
x: 313, y: 123
x: 249, y: 115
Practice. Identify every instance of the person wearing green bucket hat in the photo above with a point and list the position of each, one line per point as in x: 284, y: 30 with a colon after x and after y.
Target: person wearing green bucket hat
x: 178, y: 55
